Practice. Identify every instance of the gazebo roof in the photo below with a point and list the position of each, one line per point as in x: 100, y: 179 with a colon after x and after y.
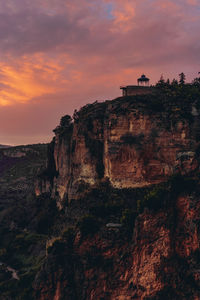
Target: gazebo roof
x: 143, y: 78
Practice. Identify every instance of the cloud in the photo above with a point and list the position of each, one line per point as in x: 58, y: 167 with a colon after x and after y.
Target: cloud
x: 192, y: 2
x: 58, y: 55
x: 24, y: 79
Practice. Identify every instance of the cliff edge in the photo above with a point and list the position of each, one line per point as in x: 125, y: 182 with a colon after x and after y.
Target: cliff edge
x: 131, y: 141
x: 125, y: 177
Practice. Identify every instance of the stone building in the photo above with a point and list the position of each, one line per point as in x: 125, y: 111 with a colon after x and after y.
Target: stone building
x: 140, y: 89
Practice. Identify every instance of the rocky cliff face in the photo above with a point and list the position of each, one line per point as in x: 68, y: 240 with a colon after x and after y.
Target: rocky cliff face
x: 160, y: 261
x: 127, y: 173
x: 131, y: 141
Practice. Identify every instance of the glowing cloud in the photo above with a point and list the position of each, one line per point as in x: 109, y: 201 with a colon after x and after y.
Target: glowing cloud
x: 123, y: 14
x: 27, y: 78
x: 58, y: 55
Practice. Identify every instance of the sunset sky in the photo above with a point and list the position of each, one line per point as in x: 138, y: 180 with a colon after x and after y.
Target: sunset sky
x: 57, y: 55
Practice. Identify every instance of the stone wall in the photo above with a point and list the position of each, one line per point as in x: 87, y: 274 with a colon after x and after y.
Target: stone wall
x: 136, y: 90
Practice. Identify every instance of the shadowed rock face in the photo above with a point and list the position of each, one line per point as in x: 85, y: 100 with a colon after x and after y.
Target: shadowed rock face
x: 160, y: 261
x: 129, y: 141
x: 142, y: 147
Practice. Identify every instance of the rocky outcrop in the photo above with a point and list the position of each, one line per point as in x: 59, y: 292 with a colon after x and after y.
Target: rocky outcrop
x: 133, y: 142
x: 127, y: 173
x: 159, y: 261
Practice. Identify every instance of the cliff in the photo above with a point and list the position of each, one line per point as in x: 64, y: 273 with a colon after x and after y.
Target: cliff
x: 160, y: 261
x: 131, y: 141
x: 116, y: 215
x: 125, y: 173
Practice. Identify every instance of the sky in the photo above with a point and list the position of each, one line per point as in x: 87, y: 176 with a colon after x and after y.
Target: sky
x: 58, y: 55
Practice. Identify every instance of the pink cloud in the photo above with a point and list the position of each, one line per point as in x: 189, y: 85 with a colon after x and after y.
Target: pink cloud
x: 57, y: 56
x: 192, y: 2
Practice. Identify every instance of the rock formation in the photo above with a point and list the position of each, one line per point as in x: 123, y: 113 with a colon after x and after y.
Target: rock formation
x: 132, y: 142
x: 132, y: 161
x: 117, y: 211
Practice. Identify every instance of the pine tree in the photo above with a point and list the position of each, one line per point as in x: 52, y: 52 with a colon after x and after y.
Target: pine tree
x: 182, y: 78
x: 174, y: 82
x: 161, y: 82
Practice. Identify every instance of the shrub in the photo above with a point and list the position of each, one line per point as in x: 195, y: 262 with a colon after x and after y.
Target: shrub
x: 46, y: 213
x: 65, y: 121
x: 93, y: 258
x: 88, y: 225
x: 109, y: 202
x: 68, y: 235
x: 154, y: 133
x: 140, y: 205
x: 130, y: 139
x: 99, y: 210
x: 57, y: 248
x: 3, y: 252
x: 128, y: 219
x: 153, y: 199
x: 107, y: 264
x: 114, y: 207
x: 180, y: 184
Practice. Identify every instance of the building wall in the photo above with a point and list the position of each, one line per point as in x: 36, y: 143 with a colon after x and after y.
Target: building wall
x: 136, y: 90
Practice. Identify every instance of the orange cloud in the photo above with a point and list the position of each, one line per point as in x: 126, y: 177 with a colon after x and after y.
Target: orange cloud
x: 29, y: 78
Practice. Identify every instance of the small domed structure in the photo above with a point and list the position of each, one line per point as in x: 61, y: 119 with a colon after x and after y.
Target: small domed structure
x: 140, y: 89
x: 143, y: 80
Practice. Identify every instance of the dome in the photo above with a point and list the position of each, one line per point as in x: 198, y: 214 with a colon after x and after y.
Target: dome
x: 143, y: 78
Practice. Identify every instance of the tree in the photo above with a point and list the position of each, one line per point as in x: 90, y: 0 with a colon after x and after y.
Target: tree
x: 174, y: 82
x: 182, y: 78
x: 196, y: 81
x: 161, y: 82
x: 65, y: 121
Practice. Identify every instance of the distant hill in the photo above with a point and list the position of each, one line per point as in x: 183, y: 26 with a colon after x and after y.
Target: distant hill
x: 5, y: 146
x: 19, y: 209
x: 20, y: 163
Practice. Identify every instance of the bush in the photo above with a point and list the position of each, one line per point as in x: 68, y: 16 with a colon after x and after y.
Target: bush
x: 114, y: 207
x: 99, y: 210
x: 140, y: 205
x: 68, y: 235
x: 57, y: 248
x: 45, y: 214
x: 65, y: 121
x: 88, y: 225
x: 154, y: 199
x: 109, y: 203
x: 130, y: 139
x: 3, y: 252
x: 180, y: 184
x: 128, y: 220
